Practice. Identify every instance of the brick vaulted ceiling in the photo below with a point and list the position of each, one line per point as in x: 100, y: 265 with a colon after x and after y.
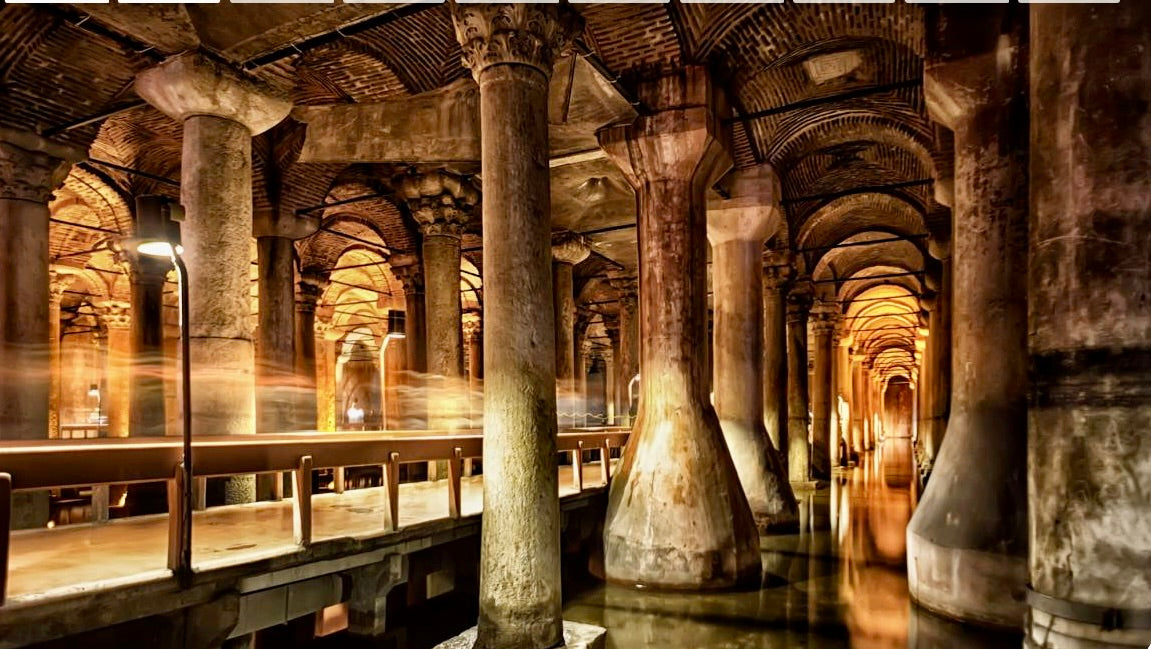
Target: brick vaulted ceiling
x: 829, y: 94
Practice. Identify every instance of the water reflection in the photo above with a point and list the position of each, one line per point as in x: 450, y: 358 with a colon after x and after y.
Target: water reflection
x: 839, y: 582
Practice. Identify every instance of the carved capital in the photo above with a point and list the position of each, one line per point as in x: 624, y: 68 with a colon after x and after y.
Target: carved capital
x: 473, y: 325
x: 115, y: 314
x: 776, y: 277
x: 524, y: 34
x: 823, y: 320
x: 408, y: 269
x: 569, y: 247
x: 440, y: 201
x: 312, y: 287
x: 29, y: 175
x: 58, y: 282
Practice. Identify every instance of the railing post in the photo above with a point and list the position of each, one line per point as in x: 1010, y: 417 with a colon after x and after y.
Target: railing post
x: 5, y: 533
x: 302, y: 502
x: 338, y: 482
x: 577, y: 467
x: 605, y: 461
x: 455, y: 470
x: 179, y: 538
x: 200, y: 503
x: 277, y: 486
x: 392, y: 493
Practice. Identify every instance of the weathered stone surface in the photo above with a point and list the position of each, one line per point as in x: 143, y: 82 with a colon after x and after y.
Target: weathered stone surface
x: 777, y: 272
x: 822, y: 327
x: 737, y: 228
x: 1089, y: 446
x: 677, y: 515
x: 799, y: 300
x: 191, y: 84
x: 575, y: 636
x: 967, y: 542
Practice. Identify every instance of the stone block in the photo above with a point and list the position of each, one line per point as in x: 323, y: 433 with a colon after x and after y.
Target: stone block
x: 576, y: 636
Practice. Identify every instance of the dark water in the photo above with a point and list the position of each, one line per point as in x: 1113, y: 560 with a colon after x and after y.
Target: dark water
x: 840, y: 582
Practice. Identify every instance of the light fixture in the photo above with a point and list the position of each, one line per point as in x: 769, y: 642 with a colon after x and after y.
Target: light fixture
x: 167, y: 250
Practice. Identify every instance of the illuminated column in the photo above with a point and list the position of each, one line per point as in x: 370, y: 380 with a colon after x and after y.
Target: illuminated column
x: 325, y: 341
x: 940, y: 343
x: 926, y: 381
x: 737, y: 227
x: 582, y: 353
x: 409, y: 271
x: 611, y: 328
x: 627, y: 358
x: 221, y: 111
x: 311, y: 291
x: 777, y: 272
x: 510, y: 49
x: 858, y: 403
x: 147, y: 409
x: 841, y: 395
x: 276, y: 386
x: 58, y: 282
x: 442, y: 204
x: 798, y: 454
x: 1089, y: 432
x: 677, y: 515
x: 967, y: 541
x: 30, y: 170
x: 822, y: 326
x: 474, y: 339
x: 568, y: 249
x: 117, y: 320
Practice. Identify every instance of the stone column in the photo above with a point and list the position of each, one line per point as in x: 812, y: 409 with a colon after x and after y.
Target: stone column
x: 30, y: 169
x: 858, y: 403
x: 325, y: 343
x: 967, y: 542
x: 822, y: 327
x: 798, y: 454
x: 221, y: 111
x: 737, y: 227
x: 568, y: 249
x: 1089, y: 440
x: 842, y: 393
x: 627, y: 359
x: 147, y: 413
x: 117, y: 320
x: 583, y: 350
x: 276, y: 385
x: 474, y: 339
x: 677, y: 515
x: 442, y: 204
x: 940, y: 343
x: 925, y: 388
x: 58, y: 282
x: 777, y: 272
x: 510, y: 49
x: 311, y: 291
x: 409, y: 271
x: 611, y: 378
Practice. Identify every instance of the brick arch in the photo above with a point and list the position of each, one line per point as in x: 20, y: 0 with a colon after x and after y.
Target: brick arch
x: 845, y: 262
x: 862, y: 281
x: 321, y: 251
x: 847, y: 216
x: 823, y: 127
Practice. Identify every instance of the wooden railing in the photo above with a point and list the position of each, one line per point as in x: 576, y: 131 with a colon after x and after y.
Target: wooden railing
x: 50, y: 464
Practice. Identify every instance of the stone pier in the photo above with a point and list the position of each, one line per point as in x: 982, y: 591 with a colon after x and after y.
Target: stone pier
x: 822, y: 396
x: 409, y: 271
x: 777, y: 272
x: 220, y: 111
x: 147, y: 276
x: 799, y: 300
x: 737, y: 227
x: 568, y: 249
x: 510, y: 49
x: 311, y: 291
x: 677, y: 515
x: 1089, y: 429
x: 967, y: 542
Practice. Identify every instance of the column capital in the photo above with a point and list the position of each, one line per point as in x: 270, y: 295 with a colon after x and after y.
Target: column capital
x: 408, y: 269
x: 569, y: 247
x: 58, y: 282
x: 823, y: 319
x: 747, y: 207
x: 442, y: 203
x: 326, y: 330
x: 312, y: 287
x: 191, y: 84
x: 274, y: 223
x: 29, y: 175
x: 626, y: 284
x: 514, y: 33
x: 683, y: 140
x: 473, y: 326
x: 115, y: 314
x: 800, y: 297
x: 777, y: 271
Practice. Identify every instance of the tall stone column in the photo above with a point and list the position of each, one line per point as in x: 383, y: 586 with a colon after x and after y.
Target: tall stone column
x: 510, y: 49
x: 822, y: 327
x: 221, y: 111
x: 442, y: 204
x: 276, y: 386
x: 325, y: 343
x: 30, y: 170
x: 627, y: 358
x: 568, y: 249
x: 858, y: 403
x: 940, y: 343
x: 147, y: 413
x: 58, y: 282
x: 582, y: 364
x: 737, y: 227
x: 842, y: 395
x: 474, y: 339
x: 677, y: 515
x: 967, y: 542
x: 611, y: 379
x: 311, y: 291
x: 409, y: 271
x: 777, y: 272
x: 116, y: 317
x: 798, y: 453
x: 1089, y: 440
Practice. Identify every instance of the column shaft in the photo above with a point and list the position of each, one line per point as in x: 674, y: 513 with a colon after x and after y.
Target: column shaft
x: 821, y: 399
x: 858, y: 404
x: 441, y: 258
x: 148, y: 414
x: 275, y: 366
x: 798, y: 458
x: 775, y: 362
x: 1089, y: 433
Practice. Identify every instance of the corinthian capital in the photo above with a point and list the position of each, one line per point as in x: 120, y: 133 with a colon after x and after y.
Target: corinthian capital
x: 527, y: 34
x: 29, y: 175
x: 440, y: 201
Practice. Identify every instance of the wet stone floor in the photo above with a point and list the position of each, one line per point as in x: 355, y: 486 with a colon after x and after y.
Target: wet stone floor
x: 838, y: 583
